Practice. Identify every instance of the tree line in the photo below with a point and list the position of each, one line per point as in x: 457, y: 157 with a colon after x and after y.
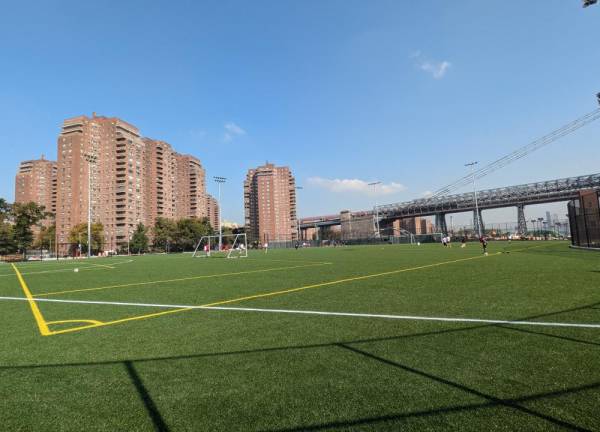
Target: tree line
x: 17, y: 234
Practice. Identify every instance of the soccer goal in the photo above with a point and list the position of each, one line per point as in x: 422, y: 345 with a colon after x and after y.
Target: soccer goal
x: 232, y: 246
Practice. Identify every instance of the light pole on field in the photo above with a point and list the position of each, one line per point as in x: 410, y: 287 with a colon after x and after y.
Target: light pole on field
x: 375, y: 184
x: 477, y: 218
x: 91, y: 159
x: 298, y: 188
x: 220, y: 180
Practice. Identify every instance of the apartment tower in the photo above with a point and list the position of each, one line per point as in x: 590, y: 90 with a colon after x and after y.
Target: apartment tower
x: 270, y: 204
x: 107, y: 154
x: 191, y: 188
x: 133, y: 179
x: 36, y: 182
x: 213, y: 214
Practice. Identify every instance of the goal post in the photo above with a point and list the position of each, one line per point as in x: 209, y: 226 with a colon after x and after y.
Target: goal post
x: 232, y: 246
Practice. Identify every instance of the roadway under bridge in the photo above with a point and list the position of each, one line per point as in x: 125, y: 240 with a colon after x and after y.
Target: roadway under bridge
x: 512, y: 196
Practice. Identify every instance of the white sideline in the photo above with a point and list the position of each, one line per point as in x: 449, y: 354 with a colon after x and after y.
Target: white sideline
x: 309, y: 312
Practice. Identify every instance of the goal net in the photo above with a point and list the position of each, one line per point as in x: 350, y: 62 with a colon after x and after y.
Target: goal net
x: 232, y: 246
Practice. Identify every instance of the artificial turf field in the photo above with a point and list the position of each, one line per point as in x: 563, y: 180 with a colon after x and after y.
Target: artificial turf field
x: 390, y: 363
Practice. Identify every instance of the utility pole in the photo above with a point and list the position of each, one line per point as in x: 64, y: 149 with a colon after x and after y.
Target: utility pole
x: 297, y: 218
x: 220, y: 181
x: 477, y: 218
x: 374, y: 184
x: 91, y: 159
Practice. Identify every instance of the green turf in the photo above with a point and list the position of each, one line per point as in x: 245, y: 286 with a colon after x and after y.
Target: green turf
x: 200, y: 370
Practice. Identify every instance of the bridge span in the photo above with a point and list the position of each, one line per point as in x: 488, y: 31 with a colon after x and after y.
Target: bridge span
x: 519, y: 196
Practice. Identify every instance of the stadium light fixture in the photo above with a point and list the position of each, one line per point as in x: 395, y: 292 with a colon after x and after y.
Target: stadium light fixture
x: 375, y: 184
x: 91, y: 159
x: 477, y: 218
x: 297, y: 218
x: 220, y: 180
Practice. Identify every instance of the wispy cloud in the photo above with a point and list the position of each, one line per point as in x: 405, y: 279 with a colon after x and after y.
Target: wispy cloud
x: 437, y: 69
x: 232, y: 131
x: 427, y: 194
x: 356, y: 186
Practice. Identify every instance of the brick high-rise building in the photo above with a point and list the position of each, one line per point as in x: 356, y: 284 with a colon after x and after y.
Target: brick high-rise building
x: 36, y: 182
x: 133, y: 180
x: 270, y: 204
x: 161, y: 181
x: 191, y: 188
x: 213, y: 214
x: 117, y: 177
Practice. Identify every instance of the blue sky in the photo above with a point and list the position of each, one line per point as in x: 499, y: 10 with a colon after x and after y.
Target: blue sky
x: 344, y: 92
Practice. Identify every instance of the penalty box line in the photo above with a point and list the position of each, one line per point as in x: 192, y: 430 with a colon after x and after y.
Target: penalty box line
x: 320, y: 313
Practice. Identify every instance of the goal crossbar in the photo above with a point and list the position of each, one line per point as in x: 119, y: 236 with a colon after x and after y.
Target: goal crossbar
x: 231, y: 245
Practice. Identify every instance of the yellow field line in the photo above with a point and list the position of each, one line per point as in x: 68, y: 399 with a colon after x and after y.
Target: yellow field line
x: 340, y: 281
x: 39, y: 319
x: 178, y: 279
x: 239, y: 299
x: 107, y: 323
x: 101, y: 265
x: 84, y: 266
x: 73, y: 321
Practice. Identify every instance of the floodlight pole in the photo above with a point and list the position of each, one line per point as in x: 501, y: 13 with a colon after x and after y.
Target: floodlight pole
x: 220, y: 180
x: 297, y: 218
x: 374, y: 184
x: 477, y: 218
x: 91, y: 159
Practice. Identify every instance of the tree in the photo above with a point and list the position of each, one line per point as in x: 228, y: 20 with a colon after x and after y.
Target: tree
x: 46, y: 237
x: 79, y: 236
x: 26, y: 215
x: 7, y: 241
x: 189, y: 231
x: 139, y: 239
x: 164, y: 233
x: 5, y: 210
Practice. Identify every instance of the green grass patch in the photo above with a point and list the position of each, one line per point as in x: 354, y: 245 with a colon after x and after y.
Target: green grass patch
x: 229, y: 370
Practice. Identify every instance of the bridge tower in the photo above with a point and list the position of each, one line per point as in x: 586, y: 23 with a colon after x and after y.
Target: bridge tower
x: 477, y: 221
x: 440, y: 223
x: 522, y: 222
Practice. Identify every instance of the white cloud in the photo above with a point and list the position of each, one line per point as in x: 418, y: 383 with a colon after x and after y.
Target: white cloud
x: 427, y: 194
x: 437, y: 69
x: 356, y: 186
x: 231, y: 131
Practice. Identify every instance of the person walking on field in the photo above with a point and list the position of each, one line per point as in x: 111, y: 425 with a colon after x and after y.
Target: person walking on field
x: 483, y: 242
x: 463, y: 242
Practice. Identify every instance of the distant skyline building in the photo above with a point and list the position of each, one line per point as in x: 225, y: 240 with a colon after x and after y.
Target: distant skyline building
x: 36, y: 182
x: 133, y: 180
x: 270, y: 204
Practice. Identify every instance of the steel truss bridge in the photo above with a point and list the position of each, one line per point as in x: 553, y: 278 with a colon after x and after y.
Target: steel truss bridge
x: 513, y: 196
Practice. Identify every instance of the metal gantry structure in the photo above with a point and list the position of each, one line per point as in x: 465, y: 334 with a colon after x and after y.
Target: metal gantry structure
x: 519, y: 196
x: 519, y: 153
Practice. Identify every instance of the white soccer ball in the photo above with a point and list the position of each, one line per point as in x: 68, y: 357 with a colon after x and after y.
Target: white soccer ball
x: 76, y: 270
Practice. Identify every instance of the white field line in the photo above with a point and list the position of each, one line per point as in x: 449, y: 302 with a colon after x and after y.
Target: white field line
x: 82, y: 266
x: 322, y: 313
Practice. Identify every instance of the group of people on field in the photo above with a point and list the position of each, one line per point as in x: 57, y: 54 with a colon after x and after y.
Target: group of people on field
x: 446, y: 242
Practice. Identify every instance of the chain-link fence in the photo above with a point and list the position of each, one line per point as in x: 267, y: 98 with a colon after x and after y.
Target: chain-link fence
x: 584, y: 218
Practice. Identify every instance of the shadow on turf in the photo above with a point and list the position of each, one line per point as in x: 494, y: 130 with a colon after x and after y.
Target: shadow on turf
x: 153, y: 413
x: 492, y: 401
x: 444, y: 410
x: 310, y: 346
